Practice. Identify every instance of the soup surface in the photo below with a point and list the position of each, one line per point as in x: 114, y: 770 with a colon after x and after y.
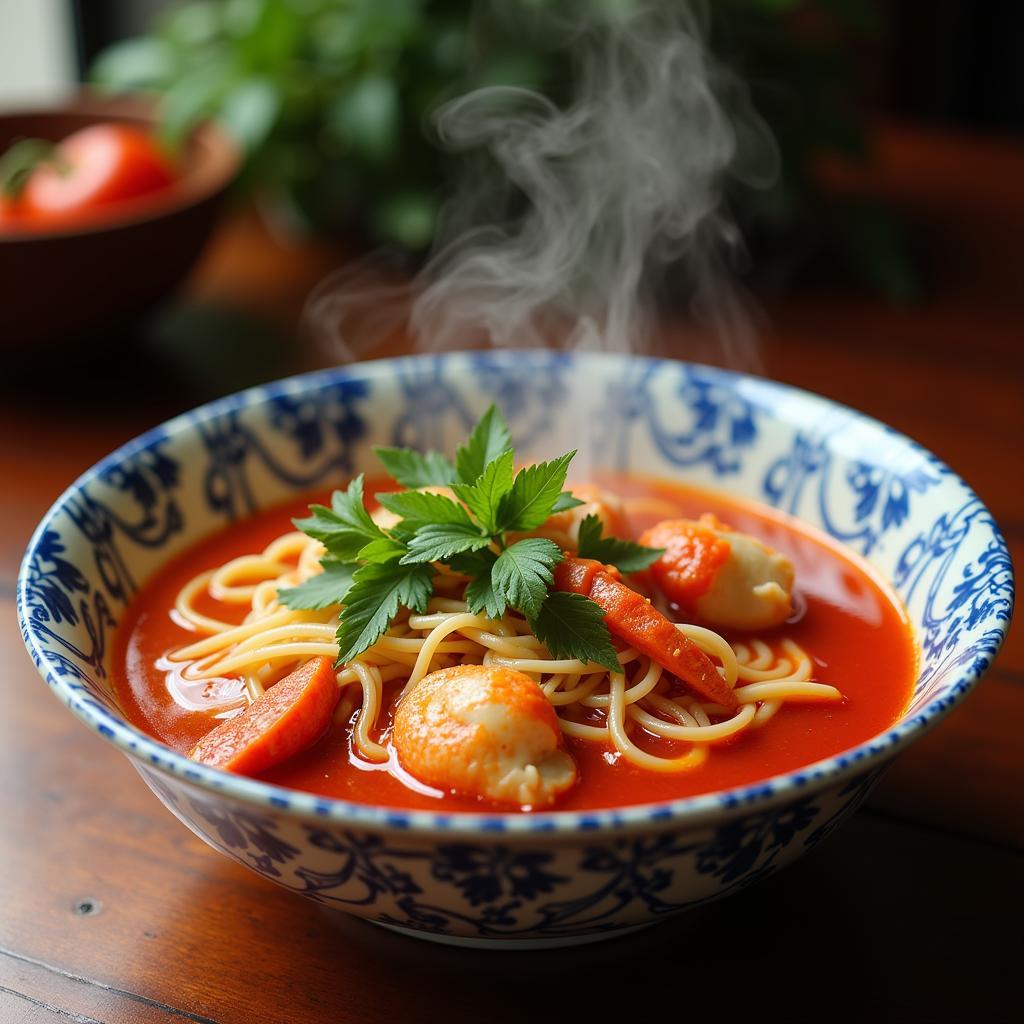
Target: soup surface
x: 847, y: 620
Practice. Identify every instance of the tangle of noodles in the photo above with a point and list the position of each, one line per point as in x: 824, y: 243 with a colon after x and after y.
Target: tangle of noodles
x: 591, y: 702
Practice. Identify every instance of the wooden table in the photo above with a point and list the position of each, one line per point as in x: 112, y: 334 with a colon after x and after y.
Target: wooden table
x: 111, y: 911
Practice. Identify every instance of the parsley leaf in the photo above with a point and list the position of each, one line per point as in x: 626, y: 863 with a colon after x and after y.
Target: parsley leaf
x: 481, y: 596
x: 423, y: 506
x: 322, y: 590
x: 435, y: 541
x: 625, y: 554
x: 490, y: 438
x: 373, y: 572
x: 522, y: 573
x: 416, y: 469
x: 484, y: 495
x: 566, y: 501
x: 572, y: 626
x: 373, y: 601
x: 384, y: 549
x: 535, y: 491
x: 345, y: 527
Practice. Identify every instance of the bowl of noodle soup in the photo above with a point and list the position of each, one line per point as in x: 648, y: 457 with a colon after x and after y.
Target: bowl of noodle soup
x: 908, y: 559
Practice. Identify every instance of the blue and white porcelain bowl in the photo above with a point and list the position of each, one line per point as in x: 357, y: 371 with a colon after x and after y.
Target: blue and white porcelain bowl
x: 540, y: 879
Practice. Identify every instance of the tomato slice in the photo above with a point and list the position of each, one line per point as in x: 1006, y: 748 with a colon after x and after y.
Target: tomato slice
x: 92, y: 170
x: 291, y: 716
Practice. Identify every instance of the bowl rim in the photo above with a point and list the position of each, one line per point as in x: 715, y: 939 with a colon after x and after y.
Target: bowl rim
x: 147, y: 753
x: 213, y: 174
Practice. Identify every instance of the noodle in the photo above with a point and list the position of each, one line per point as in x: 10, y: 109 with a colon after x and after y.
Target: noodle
x: 592, y: 703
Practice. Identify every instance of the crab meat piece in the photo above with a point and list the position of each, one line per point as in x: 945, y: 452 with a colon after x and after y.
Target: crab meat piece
x: 728, y: 578
x: 483, y: 731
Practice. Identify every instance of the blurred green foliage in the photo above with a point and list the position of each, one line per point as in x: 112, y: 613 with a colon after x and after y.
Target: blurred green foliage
x: 331, y: 100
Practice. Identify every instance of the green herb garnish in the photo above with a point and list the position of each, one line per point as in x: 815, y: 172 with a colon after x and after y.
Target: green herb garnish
x: 627, y: 555
x: 372, y: 572
x: 323, y: 590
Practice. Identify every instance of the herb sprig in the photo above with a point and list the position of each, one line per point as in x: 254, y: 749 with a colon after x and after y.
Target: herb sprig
x: 372, y: 572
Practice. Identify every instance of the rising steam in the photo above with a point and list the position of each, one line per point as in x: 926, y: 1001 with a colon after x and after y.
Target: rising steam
x: 567, y: 223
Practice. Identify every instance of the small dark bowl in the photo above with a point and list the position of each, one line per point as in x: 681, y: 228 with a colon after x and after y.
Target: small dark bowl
x: 61, y: 286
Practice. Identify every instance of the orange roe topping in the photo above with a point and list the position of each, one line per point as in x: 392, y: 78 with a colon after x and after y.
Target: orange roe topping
x: 694, y: 552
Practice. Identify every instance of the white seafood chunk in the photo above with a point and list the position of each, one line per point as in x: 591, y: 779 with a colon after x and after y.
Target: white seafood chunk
x: 485, y: 731
x: 728, y: 578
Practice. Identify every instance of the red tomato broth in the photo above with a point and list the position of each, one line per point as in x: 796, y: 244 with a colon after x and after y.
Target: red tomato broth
x: 848, y: 621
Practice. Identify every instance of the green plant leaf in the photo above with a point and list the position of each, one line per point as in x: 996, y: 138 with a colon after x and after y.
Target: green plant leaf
x: 192, y: 99
x: 267, y: 33
x: 624, y: 554
x: 344, y: 528
x: 195, y: 24
x: 424, y: 507
x: 376, y: 594
x: 365, y: 118
x: 436, y: 541
x: 384, y: 549
x: 535, y: 492
x: 489, y: 439
x: 573, y: 626
x: 250, y: 110
x: 483, y: 497
x: 566, y: 500
x: 134, y: 64
x: 416, y: 469
x: 522, y: 573
x: 326, y: 588
x: 408, y: 217
x: 481, y: 596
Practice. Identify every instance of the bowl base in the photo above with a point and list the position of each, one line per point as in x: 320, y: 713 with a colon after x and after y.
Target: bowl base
x: 513, y: 944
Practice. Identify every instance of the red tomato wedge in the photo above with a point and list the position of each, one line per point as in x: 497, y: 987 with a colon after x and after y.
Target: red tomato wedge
x: 91, y: 171
x: 291, y: 716
x: 631, y: 618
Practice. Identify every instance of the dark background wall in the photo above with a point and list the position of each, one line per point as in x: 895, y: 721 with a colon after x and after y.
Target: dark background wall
x: 957, y: 61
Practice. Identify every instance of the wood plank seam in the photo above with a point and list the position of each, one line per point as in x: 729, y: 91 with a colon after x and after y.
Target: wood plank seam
x: 156, y: 1004
x: 78, y: 1018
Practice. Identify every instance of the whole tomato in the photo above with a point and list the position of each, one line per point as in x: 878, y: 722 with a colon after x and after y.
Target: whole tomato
x: 91, y: 171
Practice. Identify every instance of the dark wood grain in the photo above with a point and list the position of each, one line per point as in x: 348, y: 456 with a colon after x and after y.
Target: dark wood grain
x: 111, y: 911
x: 49, y: 988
